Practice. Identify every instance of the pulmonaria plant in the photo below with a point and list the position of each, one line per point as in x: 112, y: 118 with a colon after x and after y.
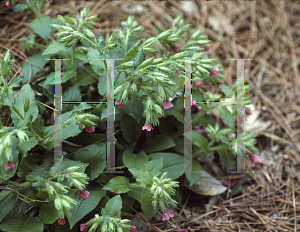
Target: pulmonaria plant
x: 149, y: 112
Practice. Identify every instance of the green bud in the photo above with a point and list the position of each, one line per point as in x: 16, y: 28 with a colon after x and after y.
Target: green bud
x: 169, y: 91
x: 8, y: 153
x: 129, y: 20
x: 153, y: 187
x: 55, y: 26
x: 66, y: 39
x: 181, y: 22
x: 60, y: 186
x: 26, y: 105
x: 149, y: 104
x: 7, y: 56
x: 89, y: 34
x: 94, y: 227
x: 184, y: 29
x: 111, y: 226
x: 196, y: 34
x: 180, y: 55
x: 7, y: 141
x: 203, y: 42
x: 124, y: 95
x: 69, y: 199
x: 133, y: 87
x: 149, y: 42
x: 119, y: 229
x: 66, y: 204
x: 51, y: 190
x: 112, y: 38
x: 22, y: 136
x: 75, y: 168
x: 65, y: 28
x: 123, y: 221
x: 165, y: 34
x: 134, y: 24
x: 146, y: 63
x: 111, y: 46
x: 128, y: 64
x: 165, y: 181
x: 61, y: 19
x: 93, y: 18
x: 138, y: 29
x: 177, y: 20
x: 84, y: 12
x: 163, y: 176
x: 202, y: 70
x: 158, y: 110
x: 57, y: 203
x: 71, y: 43
x: 157, y: 61
x: 104, y: 227
x: 123, y: 24
x: 164, y: 69
x: 69, y: 20
x: 151, y: 50
x: 62, y: 34
x: 207, y: 67
x: 119, y: 89
x: 162, y: 205
x: 156, y: 180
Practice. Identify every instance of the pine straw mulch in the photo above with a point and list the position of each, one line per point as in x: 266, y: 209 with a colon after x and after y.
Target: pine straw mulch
x: 268, y: 33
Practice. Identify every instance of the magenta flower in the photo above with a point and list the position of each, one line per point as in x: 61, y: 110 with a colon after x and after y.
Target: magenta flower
x: 97, y: 26
x: 194, y: 103
x: 19, y: 73
x: 21, y: 1
x: 248, y: 153
x: 14, y: 66
x: 198, y: 84
x: 147, y: 127
x: 10, y: 165
x: 183, y: 230
x: 8, y: 4
x: 61, y: 221
x: 83, y: 195
x: 247, y: 92
x: 175, y: 48
x: 254, y: 159
x: 248, y: 112
x: 90, y: 129
x: 166, y: 216
x: 118, y: 104
x: 168, y: 104
x: 202, y: 131
x: 207, y: 47
x: 226, y: 183
x: 83, y: 228
x: 214, y: 72
x: 133, y: 228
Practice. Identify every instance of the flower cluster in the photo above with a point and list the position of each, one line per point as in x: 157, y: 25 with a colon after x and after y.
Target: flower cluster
x: 214, y: 73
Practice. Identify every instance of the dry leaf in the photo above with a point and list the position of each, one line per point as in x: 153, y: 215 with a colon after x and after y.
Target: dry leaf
x: 253, y: 124
x: 219, y: 21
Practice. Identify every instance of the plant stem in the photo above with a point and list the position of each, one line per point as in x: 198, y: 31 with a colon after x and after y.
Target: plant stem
x: 126, y: 41
x: 23, y: 185
x: 73, y: 64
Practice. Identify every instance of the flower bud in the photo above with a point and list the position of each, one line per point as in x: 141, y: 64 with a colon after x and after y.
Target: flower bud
x: 55, y: 26
x: 75, y: 168
x: 95, y: 226
x: 169, y: 92
x: 22, y: 136
x: 133, y: 87
x: 69, y: 20
x: 157, y: 61
x: 26, y: 105
x: 78, y: 175
x: 119, y: 229
x: 146, y: 63
x: 62, y: 20
x: 149, y: 104
x: 207, y: 61
x: 177, y: 20
x: 89, y: 34
x: 104, y: 227
x: 158, y: 110
x: 151, y: 50
x: 66, y: 204
x: 156, y: 180
x: 149, y: 42
x: 65, y: 28
x: 71, y: 43
x: 162, y: 205
x: 128, y: 64
x: 134, y: 24
x: 202, y: 70
x: 123, y: 221
x: 60, y: 186
x: 124, y: 95
x: 111, y: 46
x: 138, y: 29
x: 7, y: 56
x: 184, y: 29
x: 119, y: 89
x: 7, y: 141
x: 8, y: 153
x: 51, y: 190
x: 164, y: 69
x: 77, y: 184
x: 112, y: 38
x: 129, y: 20
x: 196, y: 34
x: 165, y: 34
x: 111, y: 226
x: 57, y: 203
x: 93, y: 18
x: 180, y: 55
x: 203, y: 42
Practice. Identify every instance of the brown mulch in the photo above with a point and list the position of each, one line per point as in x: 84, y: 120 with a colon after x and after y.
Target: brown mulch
x: 265, y: 31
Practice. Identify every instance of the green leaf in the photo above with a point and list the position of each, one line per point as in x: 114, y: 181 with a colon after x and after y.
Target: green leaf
x: 42, y: 27
x: 134, y: 160
x: 226, y: 157
x: 80, y: 56
x: 191, y: 52
x: 136, y: 192
x: 113, y: 206
x: 146, y: 205
x: 194, y: 177
x: 22, y: 223
x: 7, y: 202
x: 177, y: 113
x: 172, y: 163
x: 84, y: 207
x: 131, y: 130
x: 134, y: 50
x: 143, y: 177
x: 154, y: 166
x: 226, y: 115
x: 19, y: 7
x: 118, y: 185
x: 235, y: 188
x: 47, y: 213
x: 85, y: 77
x: 95, y: 156
x: 199, y: 141
x: 159, y: 143
x: 98, y: 65
x: 65, y: 76
x: 140, y: 58
x: 53, y: 48
x: 158, y: 30
x: 72, y: 94
x: 38, y: 60
x: 135, y: 108
x: 226, y: 90
x: 102, y: 85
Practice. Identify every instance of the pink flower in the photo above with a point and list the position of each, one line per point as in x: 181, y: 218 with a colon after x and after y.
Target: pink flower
x: 247, y: 92
x: 220, y: 121
x: 254, y: 159
x: 183, y: 230
x: 202, y: 131
x: 8, y: 4
x: 61, y: 221
x: 19, y: 73
x: 10, y: 165
x: 148, y: 127
x: 214, y: 72
x: 248, y: 113
x: 175, y: 48
x: 90, y: 129
x: 248, y: 153
x: 226, y: 183
x: 21, y: 1
x: 118, y: 104
x: 97, y: 26
x: 207, y: 47
x: 133, y: 228
x: 83, y: 195
x: 194, y: 103
x: 83, y: 227
x: 199, y: 84
x: 166, y: 216
x: 14, y: 66
x: 167, y: 104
